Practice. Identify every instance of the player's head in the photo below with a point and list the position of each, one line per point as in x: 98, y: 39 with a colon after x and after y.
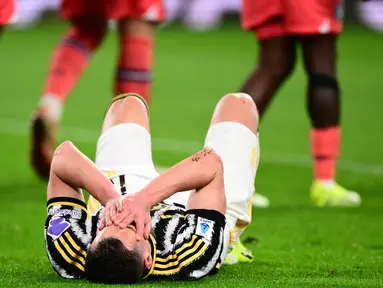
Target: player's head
x: 115, y: 256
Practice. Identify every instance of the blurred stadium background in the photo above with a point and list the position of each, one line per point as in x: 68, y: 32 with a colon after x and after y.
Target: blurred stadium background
x: 200, y: 14
x: 294, y: 242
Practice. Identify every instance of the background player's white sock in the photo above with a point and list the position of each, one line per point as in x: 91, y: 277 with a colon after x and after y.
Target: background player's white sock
x: 327, y: 183
x: 51, y: 107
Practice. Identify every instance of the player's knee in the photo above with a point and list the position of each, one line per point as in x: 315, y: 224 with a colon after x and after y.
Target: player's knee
x: 239, y: 108
x: 323, y: 99
x: 321, y: 82
x: 91, y: 31
x: 132, y: 103
x: 240, y: 102
x: 123, y: 107
x: 237, y: 99
x: 278, y: 64
x: 128, y: 108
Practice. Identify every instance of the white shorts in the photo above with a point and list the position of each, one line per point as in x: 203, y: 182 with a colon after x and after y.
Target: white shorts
x: 126, y: 149
x: 239, y: 150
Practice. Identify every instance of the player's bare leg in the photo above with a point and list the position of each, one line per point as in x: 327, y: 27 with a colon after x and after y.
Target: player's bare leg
x: 67, y: 65
x: 135, y: 60
x: 238, y: 108
x: 236, y: 117
x: 323, y: 104
x: 130, y: 109
x: 276, y: 61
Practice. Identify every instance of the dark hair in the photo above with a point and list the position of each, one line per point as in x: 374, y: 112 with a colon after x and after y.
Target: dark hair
x: 111, y: 262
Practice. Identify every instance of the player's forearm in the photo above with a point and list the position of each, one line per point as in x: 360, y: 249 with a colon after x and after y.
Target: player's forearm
x: 194, y: 172
x: 78, y: 171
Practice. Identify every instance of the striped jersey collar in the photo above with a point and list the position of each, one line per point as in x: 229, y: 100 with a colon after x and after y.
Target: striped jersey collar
x: 152, y: 242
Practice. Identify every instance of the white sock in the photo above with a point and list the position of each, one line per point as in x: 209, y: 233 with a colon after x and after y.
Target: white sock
x: 327, y: 183
x: 52, y: 107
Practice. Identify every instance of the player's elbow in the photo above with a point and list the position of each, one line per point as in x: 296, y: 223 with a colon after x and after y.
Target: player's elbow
x: 64, y: 148
x: 214, y: 160
x: 61, y: 152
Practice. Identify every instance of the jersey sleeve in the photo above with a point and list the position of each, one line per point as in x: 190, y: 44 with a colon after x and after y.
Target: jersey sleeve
x: 68, y: 233
x: 198, y: 247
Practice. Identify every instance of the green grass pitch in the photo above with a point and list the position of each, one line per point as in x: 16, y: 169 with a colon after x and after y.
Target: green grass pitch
x: 297, y: 244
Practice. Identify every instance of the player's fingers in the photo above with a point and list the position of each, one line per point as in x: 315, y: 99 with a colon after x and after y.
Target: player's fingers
x: 113, y: 213
x: 139, y: 228
x: 128, y: 220
x: 148, y: 229
x: 108, y: 221
x: 102, y: 223
x: 119, y: 205
x: 121, y: 216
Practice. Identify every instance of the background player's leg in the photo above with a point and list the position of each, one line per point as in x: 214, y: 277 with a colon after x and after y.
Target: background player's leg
x: 323, y: 104
x: 134, y: 70
x: 276, y: 61
x: 236, y: 117
x: 69, y: 60
x: 7, y: 9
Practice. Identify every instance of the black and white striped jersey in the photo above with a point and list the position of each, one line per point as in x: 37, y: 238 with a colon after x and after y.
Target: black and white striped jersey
x: 186, y: 244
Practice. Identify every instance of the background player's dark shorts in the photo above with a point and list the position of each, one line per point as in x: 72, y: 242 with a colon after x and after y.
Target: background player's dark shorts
x: 69, y: 230
x: 273, y: 18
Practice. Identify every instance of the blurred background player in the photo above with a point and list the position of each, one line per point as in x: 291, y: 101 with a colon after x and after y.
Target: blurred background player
x: 29, y: 12
x: 279, y: 25
x: 371, y: 13
x: 200, y: 15
x: 7, y: 8
x: 88, y: 27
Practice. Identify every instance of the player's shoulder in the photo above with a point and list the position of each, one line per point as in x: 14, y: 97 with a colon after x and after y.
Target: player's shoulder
x: 188, y: 247
x: 173, y: 207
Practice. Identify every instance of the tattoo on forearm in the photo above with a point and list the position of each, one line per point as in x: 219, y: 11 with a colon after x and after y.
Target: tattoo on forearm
x: 207, y: 151
x: 204, y: 152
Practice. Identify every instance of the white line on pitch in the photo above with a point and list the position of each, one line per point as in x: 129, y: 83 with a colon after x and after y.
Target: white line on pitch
x: 20, y: 128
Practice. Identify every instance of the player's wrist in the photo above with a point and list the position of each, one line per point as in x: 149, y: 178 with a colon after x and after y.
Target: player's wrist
x: 109, y: 194
x: 144, y: 199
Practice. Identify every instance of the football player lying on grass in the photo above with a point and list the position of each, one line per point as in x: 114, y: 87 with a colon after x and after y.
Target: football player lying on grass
x: 138, y: 224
